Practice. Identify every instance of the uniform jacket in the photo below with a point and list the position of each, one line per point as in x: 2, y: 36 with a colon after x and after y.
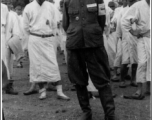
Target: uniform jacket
x: 84, y: 21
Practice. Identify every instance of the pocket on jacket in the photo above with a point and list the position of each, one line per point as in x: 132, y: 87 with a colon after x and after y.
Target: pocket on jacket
x: 92, y: 9
x: 73, y: 12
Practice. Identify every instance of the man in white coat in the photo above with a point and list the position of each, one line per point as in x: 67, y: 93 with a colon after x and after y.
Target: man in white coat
x: 118, y: 57
x: 129, y: 51
x: 7, y: 83
x: 139, y: 14
x: 4, y: 16
x: 62, y: 33
x: 111, y: 38
x: 13, y: 41
x: 19, y: 11
x: 23, y: 39
x: 40, y: 24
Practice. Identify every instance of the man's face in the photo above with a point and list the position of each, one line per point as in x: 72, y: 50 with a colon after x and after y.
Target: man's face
x: 125, y: 3
x: 10, y: 6
x: 18, y: 10
x: 61, y: 3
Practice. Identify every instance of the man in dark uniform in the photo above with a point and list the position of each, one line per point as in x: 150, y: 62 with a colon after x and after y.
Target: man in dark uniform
x: 84, y: 21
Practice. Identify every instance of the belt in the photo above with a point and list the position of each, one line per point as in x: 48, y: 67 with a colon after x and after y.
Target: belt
x: 147, y: 34
x: 42, y: 36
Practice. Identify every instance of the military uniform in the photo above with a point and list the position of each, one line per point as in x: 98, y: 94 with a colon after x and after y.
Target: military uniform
x: 84, y: 21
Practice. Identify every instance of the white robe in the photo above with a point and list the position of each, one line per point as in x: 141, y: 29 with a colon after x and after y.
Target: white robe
x: 117, y: 12
x: 13, y: 27
x: 137, y: 14
x: 106, y: 29
x: 118, y: 57
x: 12, y: 41
x: 4, y: 14
x: 41, y: 20
x: 57, y: 39
x: 115, y: 19
x: 91, y: 87
x: 109, y: 14
x: 129, y: 42
x: 24, y: 38
x: 112, y: 38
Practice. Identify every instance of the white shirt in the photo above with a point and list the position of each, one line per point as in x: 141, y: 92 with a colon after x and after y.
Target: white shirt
x: 118, y: 29
x: 116, y: 14
x: 39, y: 19
x: 109, y: 13
x: 140, y: 13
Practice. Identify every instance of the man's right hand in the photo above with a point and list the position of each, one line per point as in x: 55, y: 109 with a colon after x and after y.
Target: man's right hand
x: 134, y: 33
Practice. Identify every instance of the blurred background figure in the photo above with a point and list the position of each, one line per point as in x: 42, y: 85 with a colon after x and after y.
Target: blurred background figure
x: 6, y: 77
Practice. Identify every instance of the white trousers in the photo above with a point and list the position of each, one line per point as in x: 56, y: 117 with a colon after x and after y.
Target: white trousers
x: 143, y: 50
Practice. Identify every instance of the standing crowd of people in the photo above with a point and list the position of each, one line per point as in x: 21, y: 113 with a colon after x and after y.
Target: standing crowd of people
x: 96, y: 40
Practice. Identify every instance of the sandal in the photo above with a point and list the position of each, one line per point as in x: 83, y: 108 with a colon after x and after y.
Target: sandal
x: 122, y: 85
x: 133, y: 84
x: 115, y: 79
x: 128, y: 77
x: 147, y: 92
x: 135, y: 96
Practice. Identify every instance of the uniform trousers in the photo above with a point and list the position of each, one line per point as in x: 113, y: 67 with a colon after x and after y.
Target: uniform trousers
x: 89, y: 61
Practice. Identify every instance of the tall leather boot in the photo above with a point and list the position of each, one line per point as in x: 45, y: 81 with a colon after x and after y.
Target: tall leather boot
x: 107, y: 102
x: 9, y: 89
x: 82, y: 94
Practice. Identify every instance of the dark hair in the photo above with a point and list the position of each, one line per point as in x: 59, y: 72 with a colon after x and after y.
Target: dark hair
x: 61, y: 3
x: 19, y: 3
x: 111, y: 4
x: 120, y: 3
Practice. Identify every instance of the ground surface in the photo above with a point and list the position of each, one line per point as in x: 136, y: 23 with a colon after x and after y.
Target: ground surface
x: 22, y: 107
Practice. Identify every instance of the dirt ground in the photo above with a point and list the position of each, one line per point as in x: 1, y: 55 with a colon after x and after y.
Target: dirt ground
x: 22, y: 107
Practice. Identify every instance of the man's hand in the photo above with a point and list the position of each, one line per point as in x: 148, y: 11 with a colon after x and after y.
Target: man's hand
x: 132, y: 21
x: 112, y: 28
x: 134, y: 33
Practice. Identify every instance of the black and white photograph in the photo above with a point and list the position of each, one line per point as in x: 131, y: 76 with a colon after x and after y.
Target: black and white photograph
x: 76, y: 60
